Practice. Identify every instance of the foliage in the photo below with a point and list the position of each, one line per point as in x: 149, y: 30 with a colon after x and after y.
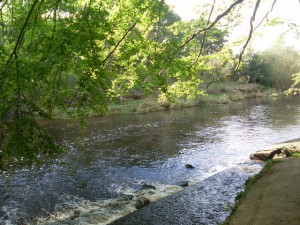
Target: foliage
x: 75, y: 57
x: 294, y: 89
x: 276, y: 67
x: 295, y: 154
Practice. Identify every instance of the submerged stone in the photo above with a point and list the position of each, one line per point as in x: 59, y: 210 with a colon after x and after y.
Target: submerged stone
x: 141, y: 202
x: 183, y: 184
x: 148, y: 186
x: 189, y: 166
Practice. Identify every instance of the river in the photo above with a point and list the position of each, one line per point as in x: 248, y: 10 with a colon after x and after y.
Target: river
x: 107, y: 167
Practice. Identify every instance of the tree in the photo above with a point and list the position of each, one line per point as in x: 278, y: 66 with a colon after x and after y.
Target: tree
x: 273, y: 67
x: 65, y: 55
x: 76, y: 55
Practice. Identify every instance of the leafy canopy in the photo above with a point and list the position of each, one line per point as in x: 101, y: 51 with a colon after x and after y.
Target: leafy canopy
x: 76, y: 56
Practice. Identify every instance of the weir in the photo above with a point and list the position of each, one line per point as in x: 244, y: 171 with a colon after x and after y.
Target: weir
x: 207, y: 202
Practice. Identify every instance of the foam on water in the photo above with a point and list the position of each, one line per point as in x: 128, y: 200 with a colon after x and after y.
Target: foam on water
x: 77, y: 210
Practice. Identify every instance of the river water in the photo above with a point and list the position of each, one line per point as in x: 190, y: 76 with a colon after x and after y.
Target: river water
x: 106, y: 168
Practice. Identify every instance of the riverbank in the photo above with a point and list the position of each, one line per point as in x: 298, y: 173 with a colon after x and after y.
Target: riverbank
x: 219, y: 93
x: 270, y: 197
x: 273, y: 196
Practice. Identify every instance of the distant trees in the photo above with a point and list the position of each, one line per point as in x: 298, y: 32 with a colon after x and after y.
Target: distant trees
x: 273, y: 67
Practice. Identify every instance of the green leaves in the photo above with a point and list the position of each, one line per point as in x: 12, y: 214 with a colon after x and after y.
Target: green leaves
x: 74, y: 57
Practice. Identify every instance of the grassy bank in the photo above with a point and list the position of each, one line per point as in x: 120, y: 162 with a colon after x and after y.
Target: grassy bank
x: 220, y: 93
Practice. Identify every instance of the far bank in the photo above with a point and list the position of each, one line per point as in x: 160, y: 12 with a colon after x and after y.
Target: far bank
x: 218, y: 93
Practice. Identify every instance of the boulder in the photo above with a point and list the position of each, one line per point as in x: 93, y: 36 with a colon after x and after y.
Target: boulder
x: 77, y: 211
x: 266, y: 154
x: 280, y: 150
x: 290, y: 149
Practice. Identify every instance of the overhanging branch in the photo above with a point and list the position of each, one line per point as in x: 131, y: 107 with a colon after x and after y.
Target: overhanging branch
x: 266, y: 16
x: 204, y: 35
x: 252, y: 19
x: 119, y: 42
x: 16, y: 49
x: 219, y: 17
x: 249, y: 36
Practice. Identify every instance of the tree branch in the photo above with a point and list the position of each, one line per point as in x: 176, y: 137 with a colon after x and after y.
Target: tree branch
x: 74, y: 96
x: 266, y: 16
x: 158, y: 30
x: 107, y: 57
x: 219, y: 17
x: 204, y: 35
x: 252, y: 19
x: 119, y: 42
x: 249, y: 36
x: 54, y: 28
x: 21, y: 34
x: 3, y: 4
x: 35, y: 20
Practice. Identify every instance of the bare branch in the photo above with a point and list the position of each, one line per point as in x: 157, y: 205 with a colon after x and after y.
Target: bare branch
x: 204, y: 35
x: 249, y: 36
x: 266, y: 16
x: 219, y: 17
x: 252, y: 19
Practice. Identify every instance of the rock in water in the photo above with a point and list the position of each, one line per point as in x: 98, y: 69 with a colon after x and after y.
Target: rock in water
x: 148, y: 186
x: 189, y: 166
x: 141, y: 202
x: 183, y: 184
x: 124, y: 197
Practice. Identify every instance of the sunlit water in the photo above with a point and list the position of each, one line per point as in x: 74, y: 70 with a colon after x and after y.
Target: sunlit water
x: 103, y: 171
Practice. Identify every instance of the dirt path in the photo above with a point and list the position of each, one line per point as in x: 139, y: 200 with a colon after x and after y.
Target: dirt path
x: 274, y: 199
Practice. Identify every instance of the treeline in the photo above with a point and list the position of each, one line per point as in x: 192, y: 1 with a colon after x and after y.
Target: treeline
x: 78, y: 56
x: 276, y: 67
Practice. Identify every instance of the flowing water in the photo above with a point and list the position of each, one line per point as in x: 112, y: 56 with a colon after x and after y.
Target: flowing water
x: 106, y: 169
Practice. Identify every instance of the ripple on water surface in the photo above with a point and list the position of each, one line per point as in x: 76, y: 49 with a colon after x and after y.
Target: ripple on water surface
x: 117, y: 154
